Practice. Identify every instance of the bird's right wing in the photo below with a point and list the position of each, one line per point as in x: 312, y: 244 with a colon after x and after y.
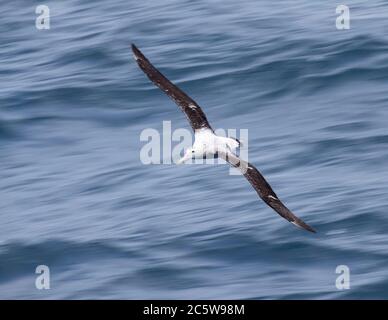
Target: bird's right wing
x: 191, y: 109
x: 263, y: 188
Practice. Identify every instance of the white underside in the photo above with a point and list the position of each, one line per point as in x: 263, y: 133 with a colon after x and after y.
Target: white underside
x: 207, y: 144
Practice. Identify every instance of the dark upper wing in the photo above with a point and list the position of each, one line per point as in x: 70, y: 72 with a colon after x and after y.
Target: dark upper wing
x: 191, y: 109
x: 263, y: 189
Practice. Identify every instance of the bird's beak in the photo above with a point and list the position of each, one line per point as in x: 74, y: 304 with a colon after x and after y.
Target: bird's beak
x: 184, y: 159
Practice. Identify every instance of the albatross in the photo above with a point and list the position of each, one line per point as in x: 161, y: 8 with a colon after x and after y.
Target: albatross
x: 207, y: 143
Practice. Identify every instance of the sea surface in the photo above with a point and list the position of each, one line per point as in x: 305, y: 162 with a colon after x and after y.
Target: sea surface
x: 76, y: 197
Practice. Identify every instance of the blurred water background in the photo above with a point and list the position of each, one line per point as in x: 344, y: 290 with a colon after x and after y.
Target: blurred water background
x: 76, y: 197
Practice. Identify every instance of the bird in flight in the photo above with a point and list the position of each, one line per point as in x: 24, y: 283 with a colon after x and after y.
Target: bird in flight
x: 207, y: 143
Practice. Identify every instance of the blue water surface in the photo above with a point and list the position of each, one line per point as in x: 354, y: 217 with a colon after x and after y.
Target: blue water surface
x: 76, y: 197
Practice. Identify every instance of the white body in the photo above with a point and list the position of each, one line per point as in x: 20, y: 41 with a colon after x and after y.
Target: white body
x: 207, y: 144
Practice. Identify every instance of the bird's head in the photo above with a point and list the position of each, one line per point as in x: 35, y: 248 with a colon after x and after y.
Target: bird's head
x: 189, y: 154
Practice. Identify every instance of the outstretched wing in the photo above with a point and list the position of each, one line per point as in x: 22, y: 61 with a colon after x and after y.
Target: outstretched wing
x: 263, y: 189
x: 191, y: 109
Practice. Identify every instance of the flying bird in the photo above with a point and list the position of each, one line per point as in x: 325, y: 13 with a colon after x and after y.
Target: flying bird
x: 207, y: 143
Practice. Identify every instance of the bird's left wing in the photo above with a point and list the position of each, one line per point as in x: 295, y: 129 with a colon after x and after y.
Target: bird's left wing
x: 191, y: 109
x: 263, y: 188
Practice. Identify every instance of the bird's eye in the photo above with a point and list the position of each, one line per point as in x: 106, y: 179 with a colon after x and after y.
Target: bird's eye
x: 192, y: 151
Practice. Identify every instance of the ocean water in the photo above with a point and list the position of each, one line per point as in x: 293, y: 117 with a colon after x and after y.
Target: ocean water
x: 76, y: 197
